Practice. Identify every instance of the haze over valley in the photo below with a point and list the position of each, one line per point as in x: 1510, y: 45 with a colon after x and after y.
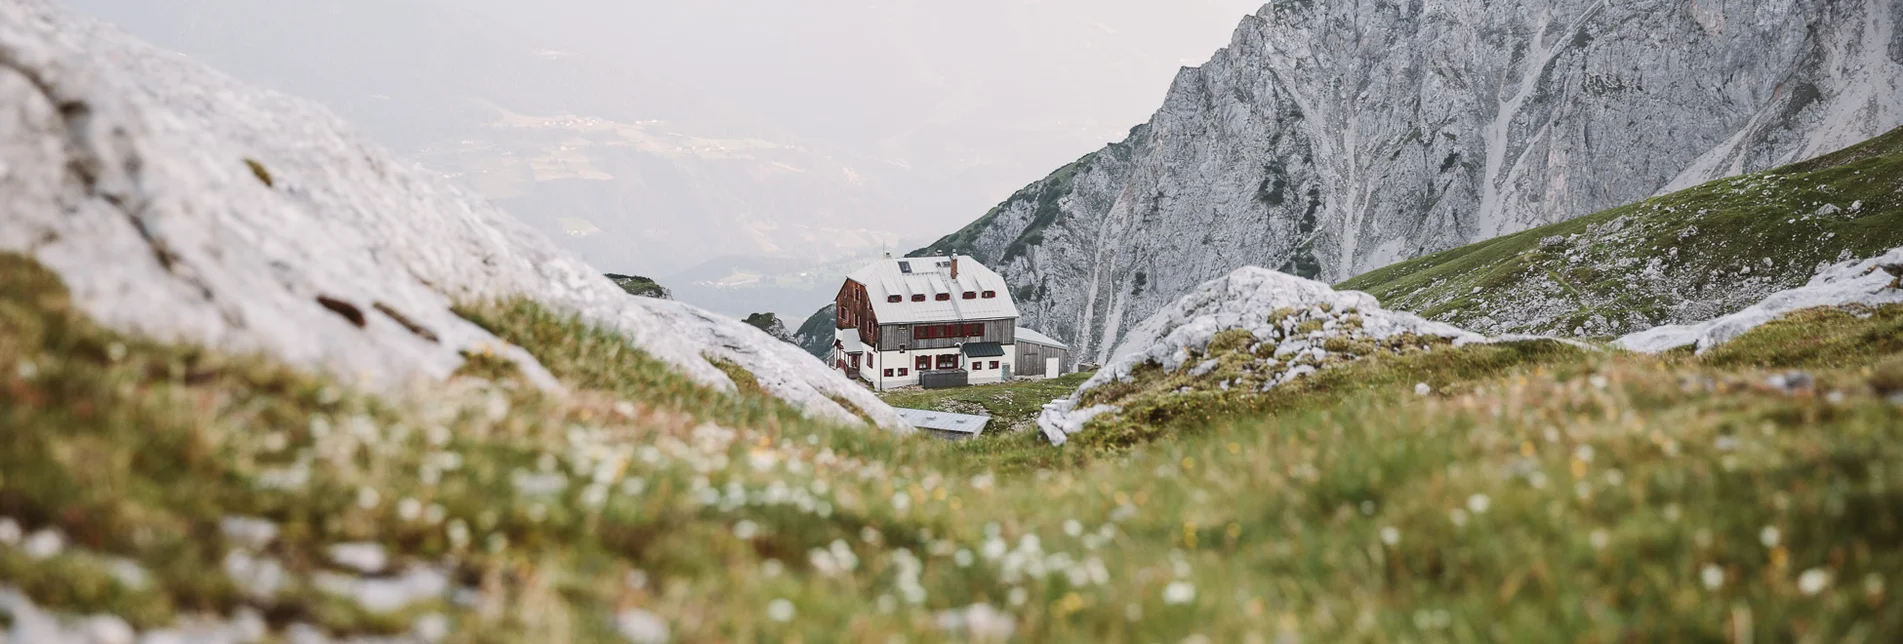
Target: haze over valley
x: 655, y: 137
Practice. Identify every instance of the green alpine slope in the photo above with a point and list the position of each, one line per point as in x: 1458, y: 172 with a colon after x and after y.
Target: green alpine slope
x: 1679, y: 258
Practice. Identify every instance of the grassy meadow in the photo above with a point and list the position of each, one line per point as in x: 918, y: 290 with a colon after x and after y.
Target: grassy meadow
x: 1538, y: 492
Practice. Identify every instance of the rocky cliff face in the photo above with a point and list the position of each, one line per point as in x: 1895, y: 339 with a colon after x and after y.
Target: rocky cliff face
x: 1330, y: 139
x: 178, y: 203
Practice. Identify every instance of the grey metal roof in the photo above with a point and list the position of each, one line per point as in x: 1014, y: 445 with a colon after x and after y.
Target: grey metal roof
x: 930, y: 276
x: 1033, y: 337
x: 944, y: 421
x: 984, y: 350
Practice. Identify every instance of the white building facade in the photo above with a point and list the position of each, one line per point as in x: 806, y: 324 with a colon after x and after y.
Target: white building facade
x: 931, y: 321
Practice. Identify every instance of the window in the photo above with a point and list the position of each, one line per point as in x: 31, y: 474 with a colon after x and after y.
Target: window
x: 991, y: 295
x: 919, y: 297
x: 905, y: 267
x: 903, y: 372
x: 943, y: 297
x: 971, y: 295
x: 894, y: 299
x: 923, y: 363
x: 977, y: 365
x: 974, y: 330
x: 948, y: 361
x: 888, y: 373
x: 994, y: 364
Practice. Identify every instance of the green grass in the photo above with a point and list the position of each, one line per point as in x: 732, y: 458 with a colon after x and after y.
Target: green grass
x: 1721, y: 246
x: 1010, y: 442
x: 1540, y: 494
x: 1012, y: 406
x: 1825, y: 338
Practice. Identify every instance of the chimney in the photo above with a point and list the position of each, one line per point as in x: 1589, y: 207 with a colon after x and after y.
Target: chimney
x: 954, y: 267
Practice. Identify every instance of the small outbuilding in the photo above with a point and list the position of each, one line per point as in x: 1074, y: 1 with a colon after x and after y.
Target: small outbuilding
x: 1039, y: 355
x: 944, y: 424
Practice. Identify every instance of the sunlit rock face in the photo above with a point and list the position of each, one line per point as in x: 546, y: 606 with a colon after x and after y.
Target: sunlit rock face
x: 1333, y: 138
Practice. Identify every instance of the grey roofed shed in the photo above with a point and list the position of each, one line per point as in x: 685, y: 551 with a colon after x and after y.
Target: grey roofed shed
x: 1036, y: 352
x: 943, y: 424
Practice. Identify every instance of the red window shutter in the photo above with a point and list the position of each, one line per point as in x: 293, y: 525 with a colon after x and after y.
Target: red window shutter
x: 918, y: 298
x: 974, y: 330
x: 971, y: 295
x: 994, y: 364
x: 923, y: 363
x: 944, y: 297
x: 888, y: 373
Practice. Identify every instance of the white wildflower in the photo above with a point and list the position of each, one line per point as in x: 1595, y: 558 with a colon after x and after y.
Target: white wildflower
x: 746, y: 530
x: 365, y: 557
x: 1712, y: 576
x: 962, y: 558
x: 431, y: 627
x: 1421, y: 389
x: 1179, y: 593
x: 1769, y: 536
x: 1813, y: 581
x: 44, y: 544
x: 979, y: 622
x: 1600, y: 539
x: 9, y: 532
x: 108, y: 629
x: 1073, y: 528
x: 1018, y: 596
x: 1390, y: 536
x: 994, y: 548
x: 595, y: 495
x: 458, y: 534
x: 780, y: 610
x: 248, y: 532
x: 368, y: 498
x: 1479, y: 503
x: 641, y: 627
x: 409, y: 509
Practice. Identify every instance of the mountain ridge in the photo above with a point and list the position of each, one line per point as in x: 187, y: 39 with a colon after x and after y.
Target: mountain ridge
x: 1330, y: 140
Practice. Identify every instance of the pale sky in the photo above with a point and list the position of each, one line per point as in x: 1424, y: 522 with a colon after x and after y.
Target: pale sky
x: 809, y: 128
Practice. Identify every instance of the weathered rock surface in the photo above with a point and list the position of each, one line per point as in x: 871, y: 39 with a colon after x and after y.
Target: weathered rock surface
x: 815, y: 335
x: 178, y: 203
x: 1294, y: 327
x: 1334, y: 138
x: 1877, y: 281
